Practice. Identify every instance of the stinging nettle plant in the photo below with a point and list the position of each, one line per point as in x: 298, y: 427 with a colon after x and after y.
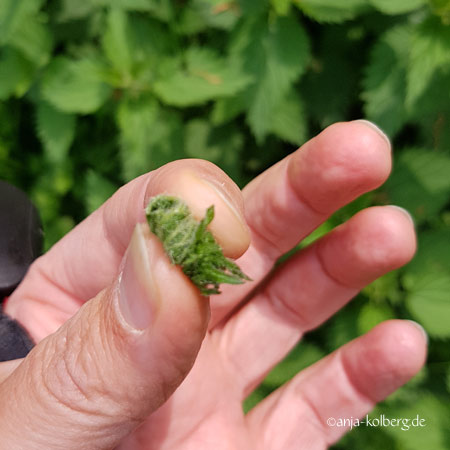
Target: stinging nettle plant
x: 190, y: 245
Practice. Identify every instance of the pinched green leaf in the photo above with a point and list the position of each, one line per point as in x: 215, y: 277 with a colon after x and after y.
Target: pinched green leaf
x: 75, y: 85
x: 190, y: 245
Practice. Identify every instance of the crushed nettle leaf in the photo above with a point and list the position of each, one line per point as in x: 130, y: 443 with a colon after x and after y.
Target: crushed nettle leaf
x: 190, y: 245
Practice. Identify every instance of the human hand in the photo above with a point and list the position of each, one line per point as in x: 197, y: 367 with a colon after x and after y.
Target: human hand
x: 113, y: 364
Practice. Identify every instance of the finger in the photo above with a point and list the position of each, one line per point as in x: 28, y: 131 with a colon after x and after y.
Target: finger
x: 288, y: 201
x: 88, y: 258
x: 346, y: 384
x: 116, y: 361
x: 311, y: 287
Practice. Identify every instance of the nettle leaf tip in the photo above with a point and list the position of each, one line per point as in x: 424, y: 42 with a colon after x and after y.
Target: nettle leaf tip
x: 190, y: 245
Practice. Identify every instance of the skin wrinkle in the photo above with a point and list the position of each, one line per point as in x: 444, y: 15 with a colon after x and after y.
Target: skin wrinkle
x: 324, y: 267
x: 282, y: 308
x: 297, y: 192
x: 352, y: 380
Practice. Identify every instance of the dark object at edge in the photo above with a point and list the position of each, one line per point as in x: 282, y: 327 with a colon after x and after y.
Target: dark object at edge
x: 20, y: 237
x: 14, y: 340
x: 20, y: 244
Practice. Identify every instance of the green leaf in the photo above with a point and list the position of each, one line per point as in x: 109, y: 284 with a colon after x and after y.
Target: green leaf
x: 97, y: 190
x: 13, y: 13
x: 331, y: 10
x: 332, y: 70
x: 75, y: 86
x: 130, y: 5
x: 117, y: 42
x: 149, y: 136
x: 430, y: 52
x: 137, y: 121
x: 427, y: 280
x: 442, y: 9
x: 420, y: 182
x: 74, y: 10
x: 253, y: 7
x: 16, y: 73
x: 385, y: 288
x: 160, y: 9
x: 303, y: 355
x: 34, y: 39
x: 434, y: 432
x: 397, y: 6
x: 447, y: 380
x: 371, y: 314
x: 226, y: 109
x: 343, y: 327
x: 429, y: 303
x: 281, y: 7
x: 275, y: 56
x: 206, y: 76
x: 200, y: 141
x: 202, y: 15
x: 289, y: 119
x: 56, y: 131
x: 221, y: 145
x: 384, y: 81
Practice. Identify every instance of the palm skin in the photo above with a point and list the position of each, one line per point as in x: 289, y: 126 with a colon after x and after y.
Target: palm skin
x: 253, y: 326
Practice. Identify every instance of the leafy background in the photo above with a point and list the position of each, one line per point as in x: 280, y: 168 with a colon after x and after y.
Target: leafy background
x: 93, y: 93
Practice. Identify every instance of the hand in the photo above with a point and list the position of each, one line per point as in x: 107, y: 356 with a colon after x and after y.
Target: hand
x: 104, y: 366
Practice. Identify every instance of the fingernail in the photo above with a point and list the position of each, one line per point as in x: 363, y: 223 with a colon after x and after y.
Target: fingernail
x: 232, y: 227
x: 228, y: 227
x: 226, y: 199
x: 377, y: 129
x: 421, y: 328
x: 138, y: 291
x: 404, y: 211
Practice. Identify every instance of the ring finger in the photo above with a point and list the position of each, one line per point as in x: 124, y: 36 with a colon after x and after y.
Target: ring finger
x: 311, y: 287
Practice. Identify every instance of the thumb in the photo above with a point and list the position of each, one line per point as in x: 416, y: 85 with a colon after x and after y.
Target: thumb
x: 111, y: 365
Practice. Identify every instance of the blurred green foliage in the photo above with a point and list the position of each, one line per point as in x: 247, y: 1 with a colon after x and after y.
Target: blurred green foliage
x: 96, y: 92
